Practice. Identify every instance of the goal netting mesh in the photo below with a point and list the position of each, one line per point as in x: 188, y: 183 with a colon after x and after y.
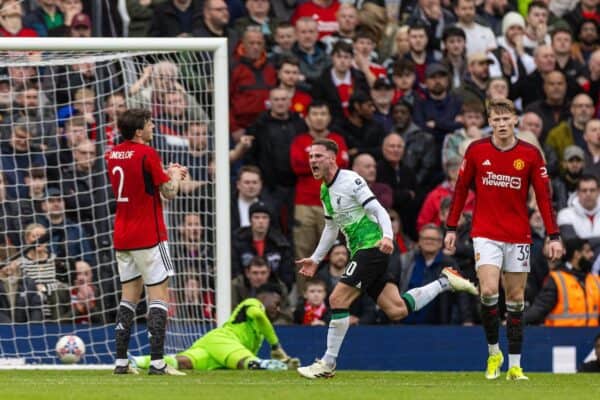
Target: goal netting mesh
x: 58, y: 112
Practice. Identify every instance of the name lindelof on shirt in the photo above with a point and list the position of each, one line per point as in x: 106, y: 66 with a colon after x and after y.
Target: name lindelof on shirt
x: 121, y: 155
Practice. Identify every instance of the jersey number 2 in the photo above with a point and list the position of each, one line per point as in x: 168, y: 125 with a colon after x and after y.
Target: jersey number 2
x: 119, y: 170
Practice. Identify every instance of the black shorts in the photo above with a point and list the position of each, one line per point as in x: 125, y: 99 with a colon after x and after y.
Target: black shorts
x: 367, y: 271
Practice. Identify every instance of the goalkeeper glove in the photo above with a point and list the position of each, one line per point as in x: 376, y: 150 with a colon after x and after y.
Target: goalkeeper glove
x: 278, y: 353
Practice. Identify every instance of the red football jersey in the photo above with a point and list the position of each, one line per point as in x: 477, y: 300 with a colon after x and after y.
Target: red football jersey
x: 136, y: 172
x: 501, y: 179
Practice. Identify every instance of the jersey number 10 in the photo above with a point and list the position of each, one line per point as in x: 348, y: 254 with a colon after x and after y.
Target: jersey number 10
x: 121, y: 173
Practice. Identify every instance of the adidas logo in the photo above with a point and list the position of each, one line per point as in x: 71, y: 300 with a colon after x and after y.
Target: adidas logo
x: 119, y: 326
x: 359, y: 285
x: 486, y: 163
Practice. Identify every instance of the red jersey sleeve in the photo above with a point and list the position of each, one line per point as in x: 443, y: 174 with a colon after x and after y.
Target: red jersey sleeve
x: 466, y: 174
x: 153, y: 165
x: 541, y: 185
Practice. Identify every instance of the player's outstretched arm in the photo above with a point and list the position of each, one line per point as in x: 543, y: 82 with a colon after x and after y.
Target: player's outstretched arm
x: 266, y: 328
x: 328, y: 238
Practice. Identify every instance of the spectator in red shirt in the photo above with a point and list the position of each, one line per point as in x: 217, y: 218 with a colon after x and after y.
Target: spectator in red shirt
x: 252, y: 77
x: 288, y: 75
x: 323, y: 11
x: 313, y: 310
x: 308, y: 212
x: 430, y: 212
x: 364, y: 52
x: 11, y: 20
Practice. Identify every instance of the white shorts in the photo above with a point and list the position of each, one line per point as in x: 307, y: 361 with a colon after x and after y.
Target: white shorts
x: 154, y: 265
x: 509, y: 257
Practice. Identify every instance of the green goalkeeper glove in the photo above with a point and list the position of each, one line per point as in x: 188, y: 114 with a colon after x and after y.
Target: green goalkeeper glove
x: 278, y: 353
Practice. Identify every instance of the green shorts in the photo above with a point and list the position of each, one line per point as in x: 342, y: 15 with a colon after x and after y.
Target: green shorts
x: 217, y: 349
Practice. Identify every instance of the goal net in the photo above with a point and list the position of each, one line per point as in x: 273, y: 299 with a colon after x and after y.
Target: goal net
x: 59, y: 103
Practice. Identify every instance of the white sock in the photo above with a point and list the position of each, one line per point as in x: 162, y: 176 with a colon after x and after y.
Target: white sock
x: 159, y: 364
x: 335, y: 336
x: 425, y: 294
x: 121, y: 362
x: 493, y: 349
x: 514, y: 360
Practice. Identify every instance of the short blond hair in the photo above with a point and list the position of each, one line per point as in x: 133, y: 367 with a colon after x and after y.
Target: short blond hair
x: 500, y: 106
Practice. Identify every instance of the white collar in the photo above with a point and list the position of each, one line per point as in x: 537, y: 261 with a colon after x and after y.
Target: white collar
x: 346, y: 80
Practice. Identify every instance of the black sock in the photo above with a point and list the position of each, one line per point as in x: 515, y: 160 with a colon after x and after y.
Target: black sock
x: 123, y: 328
x: 514, y: 331
x: 157, y: 324
x: 491, y: 322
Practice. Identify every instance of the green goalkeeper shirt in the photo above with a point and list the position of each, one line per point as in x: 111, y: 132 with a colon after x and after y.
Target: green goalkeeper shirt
x: 250, y: 324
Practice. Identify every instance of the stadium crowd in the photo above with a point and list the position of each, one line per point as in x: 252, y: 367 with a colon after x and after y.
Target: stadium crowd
x: 400, y: 86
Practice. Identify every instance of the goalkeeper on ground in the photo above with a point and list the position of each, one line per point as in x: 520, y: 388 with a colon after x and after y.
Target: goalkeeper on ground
x: 235, y: 344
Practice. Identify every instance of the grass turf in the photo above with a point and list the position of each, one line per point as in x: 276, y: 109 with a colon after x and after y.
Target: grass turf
x: 91, y: 385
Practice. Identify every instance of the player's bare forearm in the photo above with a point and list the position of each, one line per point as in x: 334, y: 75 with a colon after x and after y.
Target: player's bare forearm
x: 169, y: 189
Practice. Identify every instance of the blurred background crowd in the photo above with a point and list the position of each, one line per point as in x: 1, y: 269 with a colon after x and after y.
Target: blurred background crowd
x: 401, y: 86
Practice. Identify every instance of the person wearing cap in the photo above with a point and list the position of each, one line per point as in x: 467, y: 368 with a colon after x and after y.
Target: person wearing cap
x: 382, y: 93
x: 44, y: 17
x: 438, y: 111
x: 261, y: 239
x: 454, y: 54
x: 81, y: 26
x: 480, y: 38
x: 570, y: 132
x: 473, y: 89
x: 516, y: 63
x: 362, y: 133
x: 564, y: 186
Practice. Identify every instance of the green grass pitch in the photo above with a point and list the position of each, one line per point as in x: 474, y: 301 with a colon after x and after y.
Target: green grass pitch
x: 91, y: 385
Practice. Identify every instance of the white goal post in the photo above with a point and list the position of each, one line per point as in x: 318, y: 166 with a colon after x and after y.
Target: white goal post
x: 105, y: 50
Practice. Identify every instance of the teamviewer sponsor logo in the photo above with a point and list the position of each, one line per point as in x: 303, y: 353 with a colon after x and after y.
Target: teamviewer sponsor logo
x: 504, y: 181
